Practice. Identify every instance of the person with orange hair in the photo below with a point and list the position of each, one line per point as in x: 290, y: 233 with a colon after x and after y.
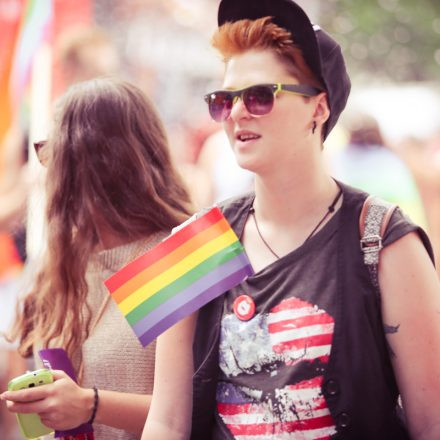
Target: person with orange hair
x: 309, y: 346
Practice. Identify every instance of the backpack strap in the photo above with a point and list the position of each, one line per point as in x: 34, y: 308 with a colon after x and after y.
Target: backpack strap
x: 373, y: 221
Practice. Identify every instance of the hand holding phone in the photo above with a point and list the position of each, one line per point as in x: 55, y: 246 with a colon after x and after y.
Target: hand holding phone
x: 57, y: 359
x: 62, y: 405
x: 30, y: 424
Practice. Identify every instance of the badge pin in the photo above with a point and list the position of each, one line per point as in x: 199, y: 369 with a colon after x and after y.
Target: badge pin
x: 244, y: 307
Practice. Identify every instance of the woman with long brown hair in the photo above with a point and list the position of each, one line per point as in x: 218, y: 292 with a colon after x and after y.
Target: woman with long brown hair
x: 112, y: 194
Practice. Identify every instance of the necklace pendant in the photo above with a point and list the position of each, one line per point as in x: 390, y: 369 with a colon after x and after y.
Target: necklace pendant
x: 244, y: 307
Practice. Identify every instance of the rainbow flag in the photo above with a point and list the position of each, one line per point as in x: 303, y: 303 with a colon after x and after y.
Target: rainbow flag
x: 181, y: 274
x: 35, y: 29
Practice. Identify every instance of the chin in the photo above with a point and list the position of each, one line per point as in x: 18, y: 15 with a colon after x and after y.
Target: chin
x: 249, y: 159
x: 247, y: 163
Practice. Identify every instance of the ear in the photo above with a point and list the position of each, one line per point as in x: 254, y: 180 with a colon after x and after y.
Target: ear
x: 322, y: 110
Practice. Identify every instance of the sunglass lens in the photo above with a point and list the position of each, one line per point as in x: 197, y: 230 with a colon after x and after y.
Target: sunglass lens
x: 220, y: 105
x: 258, y: 100
x: 41, y: 152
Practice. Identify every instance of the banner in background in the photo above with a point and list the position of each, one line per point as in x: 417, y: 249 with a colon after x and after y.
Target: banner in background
x: 10, y: 17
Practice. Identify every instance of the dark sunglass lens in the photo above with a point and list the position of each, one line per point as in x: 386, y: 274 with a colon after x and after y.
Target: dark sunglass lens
x: 41, y: 152
x: 258, y: 100
x: 39, y: 145
x: 220, y: 105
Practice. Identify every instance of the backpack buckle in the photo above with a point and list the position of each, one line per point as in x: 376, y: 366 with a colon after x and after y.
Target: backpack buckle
x: 371, y: 243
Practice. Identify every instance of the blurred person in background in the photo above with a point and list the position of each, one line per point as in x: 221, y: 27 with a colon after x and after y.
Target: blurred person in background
x: 423, y: 158
x: 225, y: 178
x: 14, y: 187
x: 112, y: 194
x: 185, y: 148
x: 208, y: 166
x: 86, y: 52
x: 368, y: 164
x: 13, y: 191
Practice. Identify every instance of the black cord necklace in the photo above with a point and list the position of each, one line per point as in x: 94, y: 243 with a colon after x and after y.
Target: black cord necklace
x: 330, y: 210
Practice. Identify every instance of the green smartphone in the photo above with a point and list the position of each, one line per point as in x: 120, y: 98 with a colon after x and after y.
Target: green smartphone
x: 30, y: 424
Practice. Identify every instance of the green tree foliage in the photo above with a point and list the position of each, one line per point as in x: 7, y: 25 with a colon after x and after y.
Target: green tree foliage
x: 394, y: 39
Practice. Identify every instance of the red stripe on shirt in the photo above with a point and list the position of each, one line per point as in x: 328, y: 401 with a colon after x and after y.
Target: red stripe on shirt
x: 281, y: 427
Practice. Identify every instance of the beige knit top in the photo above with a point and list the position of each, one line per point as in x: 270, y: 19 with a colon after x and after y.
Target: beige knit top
x: 112, y: 356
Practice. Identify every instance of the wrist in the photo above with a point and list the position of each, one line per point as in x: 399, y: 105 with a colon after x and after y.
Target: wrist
x: 88, y: 404
x: 95, y: 406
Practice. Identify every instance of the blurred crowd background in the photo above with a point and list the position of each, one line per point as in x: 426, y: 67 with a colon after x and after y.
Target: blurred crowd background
x: 388, y: 141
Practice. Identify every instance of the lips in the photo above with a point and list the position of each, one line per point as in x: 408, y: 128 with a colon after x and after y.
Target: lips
x: 245, y: 136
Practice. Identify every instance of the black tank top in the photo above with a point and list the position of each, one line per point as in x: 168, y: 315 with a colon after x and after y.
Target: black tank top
x: 272, y: 366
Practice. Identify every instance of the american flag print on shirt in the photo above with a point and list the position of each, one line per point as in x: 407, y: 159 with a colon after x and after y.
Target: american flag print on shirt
x: 292, y: 340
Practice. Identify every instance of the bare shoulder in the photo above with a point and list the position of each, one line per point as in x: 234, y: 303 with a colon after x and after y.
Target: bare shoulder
x: 406, y: 265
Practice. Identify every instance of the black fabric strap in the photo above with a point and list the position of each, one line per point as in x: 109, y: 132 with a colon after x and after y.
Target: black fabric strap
x: 95, y: 406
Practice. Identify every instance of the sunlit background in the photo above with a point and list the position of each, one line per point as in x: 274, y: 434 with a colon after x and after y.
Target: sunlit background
x: 392, y: 49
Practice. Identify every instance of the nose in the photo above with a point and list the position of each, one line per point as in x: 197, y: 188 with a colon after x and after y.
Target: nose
x: 239, y: 110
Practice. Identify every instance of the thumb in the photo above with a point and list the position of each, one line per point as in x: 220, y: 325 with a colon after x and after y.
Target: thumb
x: 59, y: 374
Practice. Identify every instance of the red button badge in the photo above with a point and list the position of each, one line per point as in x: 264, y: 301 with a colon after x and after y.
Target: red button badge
x: 244, y: 307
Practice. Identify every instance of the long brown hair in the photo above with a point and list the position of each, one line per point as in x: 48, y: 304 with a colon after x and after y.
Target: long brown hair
x: 234, y: 38
x: 109, y: 167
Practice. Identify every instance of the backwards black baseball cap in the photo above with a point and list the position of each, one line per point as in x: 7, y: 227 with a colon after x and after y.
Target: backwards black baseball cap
x: 321, y: 52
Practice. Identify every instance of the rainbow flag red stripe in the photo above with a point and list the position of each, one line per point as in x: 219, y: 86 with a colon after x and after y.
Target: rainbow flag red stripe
x: 187, y: 270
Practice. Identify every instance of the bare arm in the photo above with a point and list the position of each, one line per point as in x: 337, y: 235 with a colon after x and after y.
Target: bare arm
x: 123, y: 410
x: 171, y: 407
x: 64, y: 405
x: 411, y: 312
